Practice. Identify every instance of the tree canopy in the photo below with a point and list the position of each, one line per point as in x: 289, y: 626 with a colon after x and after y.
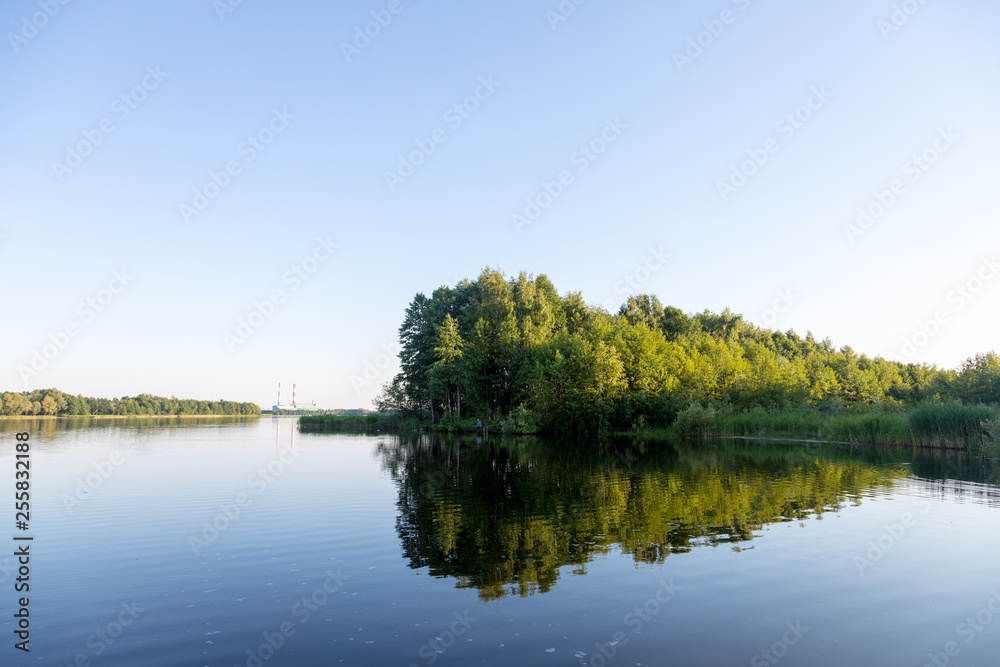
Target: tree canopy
x: 497, y: 347
x: 56, y: 403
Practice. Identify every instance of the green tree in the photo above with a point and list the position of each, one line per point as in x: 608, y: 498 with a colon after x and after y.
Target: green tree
x: 573, y: 382
x: 979, y: 379
x: 49, y: 406
x: 644, y: 309
x: 416, y: 355
x: 496, y: 345
x: 449, y: 369
x: 675, y: 323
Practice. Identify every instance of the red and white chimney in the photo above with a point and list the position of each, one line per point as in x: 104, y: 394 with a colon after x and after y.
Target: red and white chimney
x: 293, y: 394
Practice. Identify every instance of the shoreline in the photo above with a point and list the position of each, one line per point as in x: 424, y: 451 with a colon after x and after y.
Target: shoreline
x: 44, y: 417
x: 939, y: 443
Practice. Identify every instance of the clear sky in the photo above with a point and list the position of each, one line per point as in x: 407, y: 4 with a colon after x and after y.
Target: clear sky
x: 167, y: 167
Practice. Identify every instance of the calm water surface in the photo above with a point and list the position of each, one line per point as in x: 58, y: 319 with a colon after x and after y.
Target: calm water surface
x: 210, y: 542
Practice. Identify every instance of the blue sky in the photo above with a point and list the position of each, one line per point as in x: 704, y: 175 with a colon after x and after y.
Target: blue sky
x: 211, y: 151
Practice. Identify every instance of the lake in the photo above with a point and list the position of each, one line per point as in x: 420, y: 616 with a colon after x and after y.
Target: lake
x: 244, y: 542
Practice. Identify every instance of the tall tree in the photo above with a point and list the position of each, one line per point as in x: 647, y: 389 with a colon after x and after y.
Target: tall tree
x: 449, y: 367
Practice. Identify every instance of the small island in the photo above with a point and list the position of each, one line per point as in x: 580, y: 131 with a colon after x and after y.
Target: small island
x: 518, y: 357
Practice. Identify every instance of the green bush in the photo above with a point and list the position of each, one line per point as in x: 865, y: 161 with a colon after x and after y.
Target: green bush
x: 695, y: 421
x: 522, y: 421
x: 451, y: 424
x: 642, y: 411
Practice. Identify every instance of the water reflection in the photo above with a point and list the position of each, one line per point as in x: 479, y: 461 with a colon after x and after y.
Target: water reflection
x: 504, y: 516
x: 50, y: 426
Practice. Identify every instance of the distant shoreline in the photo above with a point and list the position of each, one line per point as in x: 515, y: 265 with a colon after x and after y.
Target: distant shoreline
x: 2, y: 417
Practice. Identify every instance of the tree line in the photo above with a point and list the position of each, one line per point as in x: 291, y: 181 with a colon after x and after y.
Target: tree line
x: 514, y: 350
x: 57, y: 403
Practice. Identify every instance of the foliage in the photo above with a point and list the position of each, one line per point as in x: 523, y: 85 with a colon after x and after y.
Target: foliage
x: 56, y: 403
x: 695, y: 421
x: 369, y: 422
x: 394, y: 398
x: 494, y: 347
x: 979, y: 379
x: 522, y: 421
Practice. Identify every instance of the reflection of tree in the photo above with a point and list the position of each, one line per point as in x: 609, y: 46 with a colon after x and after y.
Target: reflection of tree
x: 950, y: 464
x: 504, y: 517
x: 47, y: 429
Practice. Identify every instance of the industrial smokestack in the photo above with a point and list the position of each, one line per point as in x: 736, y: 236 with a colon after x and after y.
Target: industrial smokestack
x: 293, y: 393
x: 279, y: 393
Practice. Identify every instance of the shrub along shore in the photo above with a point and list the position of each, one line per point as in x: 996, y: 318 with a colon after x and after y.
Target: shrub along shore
x: 952, y: 425
x: 974, y: 428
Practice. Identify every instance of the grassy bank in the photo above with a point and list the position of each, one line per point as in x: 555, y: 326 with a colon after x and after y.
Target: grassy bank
x: 942, y: 425
x: 380, y: 422
x: 951, y: 425
x: 366, y: 423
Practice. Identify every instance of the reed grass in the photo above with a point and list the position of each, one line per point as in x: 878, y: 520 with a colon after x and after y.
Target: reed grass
x: 951, y: 425
x: 373, y: 422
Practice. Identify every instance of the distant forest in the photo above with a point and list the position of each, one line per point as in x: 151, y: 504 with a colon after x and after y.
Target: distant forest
x: 515, y: 349
x: 56, y: 403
